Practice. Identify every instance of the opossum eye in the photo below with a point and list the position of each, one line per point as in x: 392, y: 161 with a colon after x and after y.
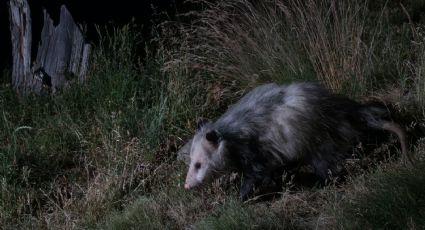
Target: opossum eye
x: 197, y: 165
x: 213, y: 136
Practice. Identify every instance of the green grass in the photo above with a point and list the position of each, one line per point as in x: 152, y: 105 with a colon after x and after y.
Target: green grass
x: 103, y: 154
x: 142, y: 214
x: 391, y: 198
x: 235, y: 215
x: 102, y: 130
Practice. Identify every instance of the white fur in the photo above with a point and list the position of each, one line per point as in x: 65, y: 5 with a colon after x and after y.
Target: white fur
x: 210, y: 157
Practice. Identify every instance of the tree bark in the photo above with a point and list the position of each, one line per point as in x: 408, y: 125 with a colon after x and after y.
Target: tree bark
x: 62, y: 55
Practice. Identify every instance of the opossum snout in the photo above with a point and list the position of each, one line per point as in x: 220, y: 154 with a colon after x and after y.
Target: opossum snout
x: 191, y: 182
x: 188, y: 185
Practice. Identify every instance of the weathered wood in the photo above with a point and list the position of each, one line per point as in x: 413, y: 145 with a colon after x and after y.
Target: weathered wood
x: 21, y: 34
x: 84, y: 67
x: 62, y: 55
x: 62, y: 52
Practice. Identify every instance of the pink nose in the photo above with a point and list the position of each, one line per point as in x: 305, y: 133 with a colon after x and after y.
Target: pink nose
x: 186, y: 186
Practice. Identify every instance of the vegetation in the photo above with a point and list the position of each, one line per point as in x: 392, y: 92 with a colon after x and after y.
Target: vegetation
x: 392, y: 198
x: 102, y: 155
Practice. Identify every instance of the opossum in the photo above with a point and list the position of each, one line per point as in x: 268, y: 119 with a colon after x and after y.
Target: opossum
x: 277, y: 127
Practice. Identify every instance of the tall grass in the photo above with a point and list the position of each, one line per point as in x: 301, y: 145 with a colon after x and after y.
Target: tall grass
x: 418, y: 68
x: 251, y: 42
x: 332, y: 33
x: 72, y: 157
x: 240, y: 42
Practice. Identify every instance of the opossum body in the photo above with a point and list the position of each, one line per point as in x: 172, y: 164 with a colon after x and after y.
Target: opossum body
x: 275, y: 127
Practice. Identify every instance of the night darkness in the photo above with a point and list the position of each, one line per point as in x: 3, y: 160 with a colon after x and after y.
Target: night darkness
x: 87, y: 12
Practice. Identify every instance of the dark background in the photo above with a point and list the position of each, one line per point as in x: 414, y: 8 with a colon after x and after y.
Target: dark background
x: 88, y: 12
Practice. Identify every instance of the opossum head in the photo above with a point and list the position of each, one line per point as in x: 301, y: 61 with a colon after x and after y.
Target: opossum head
x: 206, y: 155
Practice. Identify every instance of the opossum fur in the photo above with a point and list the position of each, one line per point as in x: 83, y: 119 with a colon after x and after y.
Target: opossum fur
x: 280, y: 127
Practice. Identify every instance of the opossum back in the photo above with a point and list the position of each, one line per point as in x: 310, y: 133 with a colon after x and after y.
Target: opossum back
x: 258, y: 108
x: 280, y: 119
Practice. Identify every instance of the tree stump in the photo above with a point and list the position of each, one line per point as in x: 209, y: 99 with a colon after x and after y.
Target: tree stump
x: 20, y: 30
x: 62, y: 55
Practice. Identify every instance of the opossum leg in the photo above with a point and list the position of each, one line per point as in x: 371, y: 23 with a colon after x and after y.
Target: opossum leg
x: 247, y: 188
x: 250, y: 179
x: 321, y: 168
x: 253, y: 170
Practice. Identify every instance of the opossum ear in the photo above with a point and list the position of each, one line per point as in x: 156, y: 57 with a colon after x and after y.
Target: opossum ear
x: 201, y: 122
x: 213, y: 136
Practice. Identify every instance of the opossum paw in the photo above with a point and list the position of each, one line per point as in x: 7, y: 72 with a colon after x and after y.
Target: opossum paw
x: 245, y: 195
x: 247, y: 189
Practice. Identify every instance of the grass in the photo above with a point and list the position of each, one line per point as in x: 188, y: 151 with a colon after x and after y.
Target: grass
x: 102, y: 155
x: 142, y: 214
x: 390, y: 198
x: 234, y: 215
x: 251, y: 42
x: 93, y: 135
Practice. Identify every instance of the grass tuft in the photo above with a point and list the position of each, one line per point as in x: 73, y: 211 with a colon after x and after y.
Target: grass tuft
x: 144, y: 213
x: 391, y: 198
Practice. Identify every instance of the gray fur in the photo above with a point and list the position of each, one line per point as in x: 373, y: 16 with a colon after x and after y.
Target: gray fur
x: 184, y: 151
x: 280, y: 127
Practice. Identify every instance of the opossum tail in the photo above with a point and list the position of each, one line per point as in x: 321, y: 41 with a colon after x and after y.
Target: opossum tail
x: 377, y: 117
x: 402, y: 136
